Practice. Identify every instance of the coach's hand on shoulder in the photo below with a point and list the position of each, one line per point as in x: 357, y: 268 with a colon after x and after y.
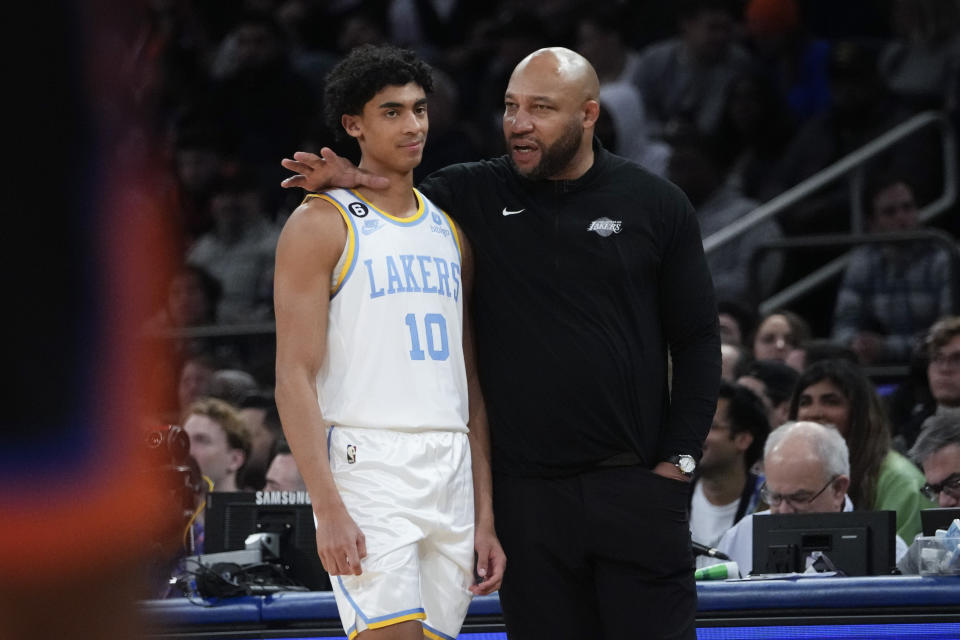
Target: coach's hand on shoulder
x: 340, y: 543
x: 316, y: 173
x: 491, y: 561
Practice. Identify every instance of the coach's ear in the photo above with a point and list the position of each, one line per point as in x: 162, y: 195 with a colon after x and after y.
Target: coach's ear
x: 591, y: 112
x: 351, y: 124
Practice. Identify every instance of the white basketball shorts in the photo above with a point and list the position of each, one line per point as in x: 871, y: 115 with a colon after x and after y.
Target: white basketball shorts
x: 411, y: 494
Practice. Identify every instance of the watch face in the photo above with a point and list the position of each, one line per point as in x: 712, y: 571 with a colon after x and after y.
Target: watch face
x: 686, y: 464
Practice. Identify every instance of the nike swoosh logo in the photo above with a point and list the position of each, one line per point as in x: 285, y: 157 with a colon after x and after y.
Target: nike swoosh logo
x: 506, y: 212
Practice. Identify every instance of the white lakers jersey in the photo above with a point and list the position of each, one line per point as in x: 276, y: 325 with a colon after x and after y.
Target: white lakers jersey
x: 394, y: 341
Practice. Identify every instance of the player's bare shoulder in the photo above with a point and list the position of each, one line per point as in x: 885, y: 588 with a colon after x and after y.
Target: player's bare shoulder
x: 315, y: 227
x: 316, y: 214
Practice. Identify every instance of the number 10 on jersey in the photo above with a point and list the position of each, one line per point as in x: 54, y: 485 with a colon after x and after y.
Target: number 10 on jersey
x: 434, y: 332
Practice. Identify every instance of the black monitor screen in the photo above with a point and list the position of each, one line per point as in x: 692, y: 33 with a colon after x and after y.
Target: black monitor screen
x: 937, y: 518
x: 232, y: 516
x: 857, y: 543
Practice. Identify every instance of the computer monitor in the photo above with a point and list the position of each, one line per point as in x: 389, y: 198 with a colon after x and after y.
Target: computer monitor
x: 858, y: 543
x: 937, y: 518
x: 232, y: 516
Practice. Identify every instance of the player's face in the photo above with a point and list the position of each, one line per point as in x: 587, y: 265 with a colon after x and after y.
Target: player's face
x: 542, y: 123
x: 392, y: 129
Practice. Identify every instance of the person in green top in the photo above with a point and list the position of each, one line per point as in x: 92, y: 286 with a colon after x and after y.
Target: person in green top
x: 838, y: 393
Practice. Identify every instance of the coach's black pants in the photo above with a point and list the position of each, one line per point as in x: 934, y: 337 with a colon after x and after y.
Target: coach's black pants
x: 602, y: 554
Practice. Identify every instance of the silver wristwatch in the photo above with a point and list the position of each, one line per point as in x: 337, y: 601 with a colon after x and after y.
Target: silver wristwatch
x: 685, y: 463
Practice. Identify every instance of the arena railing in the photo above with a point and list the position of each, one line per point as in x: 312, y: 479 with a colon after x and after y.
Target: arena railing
x: 852, y: 163
x: 217, y: 331
x: 826, y: 241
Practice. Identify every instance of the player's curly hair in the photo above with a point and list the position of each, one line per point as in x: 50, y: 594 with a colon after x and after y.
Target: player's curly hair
x: 365, y: 71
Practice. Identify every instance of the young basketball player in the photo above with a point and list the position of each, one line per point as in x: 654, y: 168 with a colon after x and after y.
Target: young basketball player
x: 376, y: 384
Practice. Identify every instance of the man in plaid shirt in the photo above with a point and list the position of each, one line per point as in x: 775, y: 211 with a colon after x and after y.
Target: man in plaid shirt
x: 891, y: 292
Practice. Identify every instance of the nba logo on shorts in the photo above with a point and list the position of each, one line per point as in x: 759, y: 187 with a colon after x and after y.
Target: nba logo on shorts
x: 351, y: 453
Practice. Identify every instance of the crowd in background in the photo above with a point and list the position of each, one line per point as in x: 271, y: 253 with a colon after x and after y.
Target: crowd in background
x: 734, y: 101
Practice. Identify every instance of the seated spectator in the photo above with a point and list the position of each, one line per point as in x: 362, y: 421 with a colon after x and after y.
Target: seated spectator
x: 197, y: 157
x: 734, y: 359
x: 190, y: 301
x: 684, y: 80
x: 892, y: 292
x: 232, y: 386
x: 603, y: 39
x: 753, y: 133
x: 837, y: 393
x: 239, y: 251
x: 452, y: 138
x: 257, y: 100
x: 818, y: 349
x: 622, y: 128
x: 429, y: 26
x: 795, y: 59
x: 943, y: 348
x: 808, y: 471
x: 259, y: 411
x: 724, y: 488
x: 692, y: 168
x: 219, y: 441
x: 283, y: 474
x: 194, y: 382
x: 922, y: 66
x: 942, y: 367
x: 859, y: 111
x: 737, y: 321
x: 937, y: 451
x: 779, y: 333
x: 192, y: 297
x: 773, y: 382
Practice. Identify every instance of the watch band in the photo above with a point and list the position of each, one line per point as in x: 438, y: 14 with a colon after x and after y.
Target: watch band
x: 684, y: 463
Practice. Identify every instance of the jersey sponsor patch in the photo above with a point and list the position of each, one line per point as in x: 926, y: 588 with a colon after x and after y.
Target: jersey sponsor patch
x: 605, y: 226
x: 438, y: 227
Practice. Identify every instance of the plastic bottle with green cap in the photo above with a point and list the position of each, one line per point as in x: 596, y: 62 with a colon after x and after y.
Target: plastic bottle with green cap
x: 720, y: 571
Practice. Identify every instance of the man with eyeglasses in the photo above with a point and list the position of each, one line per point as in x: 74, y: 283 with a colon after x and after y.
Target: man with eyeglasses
x: 942, y: 344
x: 808, y: 471
x: 726, y: 487
x: 937, y: 451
